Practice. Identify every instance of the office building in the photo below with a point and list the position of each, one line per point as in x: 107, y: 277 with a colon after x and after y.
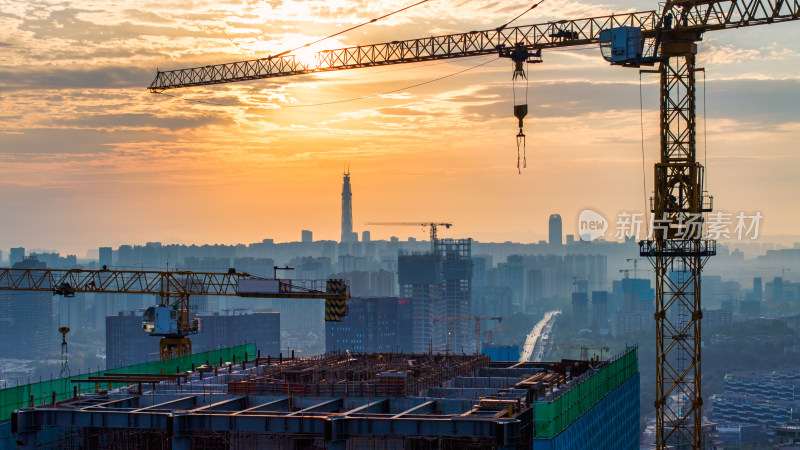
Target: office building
x: 600, y: 319
x: 128, y: 344
x: 371, y: 326
x: 29, y: 325
x: 766, y: 398
x: 105, y: 255
x: 16, y: 255
x: 556, y: 239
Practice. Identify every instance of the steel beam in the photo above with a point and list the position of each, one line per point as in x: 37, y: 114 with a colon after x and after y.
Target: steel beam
x: 27, y: 420
x: 427, y: 407
x: 231, y: 404
x: 126, y: 402
x: 326, y: 406
x: 279, y: 405
x: 170, y: 405
x: 378, y: 406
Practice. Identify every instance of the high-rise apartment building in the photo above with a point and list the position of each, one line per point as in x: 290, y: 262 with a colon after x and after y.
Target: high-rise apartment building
x: 27, y: 320
x: 105, y: 257
x: 16, y: 255
x: 600, y: 317
x: 439, y: 285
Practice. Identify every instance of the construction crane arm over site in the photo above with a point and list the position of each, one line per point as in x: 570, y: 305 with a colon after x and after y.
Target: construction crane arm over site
x: 668, y: 39
x: 171, y: 318
x: 68, y: 282
x: 698, y: 16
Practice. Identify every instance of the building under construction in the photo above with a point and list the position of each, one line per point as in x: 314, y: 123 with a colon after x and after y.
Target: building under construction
x: 439, y: 285
x: 351, y: 401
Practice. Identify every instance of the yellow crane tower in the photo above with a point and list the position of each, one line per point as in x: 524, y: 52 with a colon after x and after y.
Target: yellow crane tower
x: 667, y: 39
x: 171, y: 318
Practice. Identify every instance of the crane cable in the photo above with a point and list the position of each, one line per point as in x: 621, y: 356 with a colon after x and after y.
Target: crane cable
x: 520, y: 113
x: 395, y: 90
x: 705, y: 133
x: 203, y: 102
x: 206, y: 102
x: 644, y: 172
x: 349, y: 29
x: 501, y: 27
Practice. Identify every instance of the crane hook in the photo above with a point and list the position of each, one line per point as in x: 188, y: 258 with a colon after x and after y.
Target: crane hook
x: 520, y: 111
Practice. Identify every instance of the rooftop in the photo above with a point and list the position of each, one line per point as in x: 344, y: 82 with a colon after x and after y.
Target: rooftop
x: 457, y: 399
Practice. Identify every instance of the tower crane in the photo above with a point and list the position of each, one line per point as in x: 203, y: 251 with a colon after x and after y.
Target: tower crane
x: 666, y: 38
x: 452, y: 329
x: 171, y: 318
x: 490, y: 333
x: 433, y: 227
x: 635, y: 266
x: 451, y: 320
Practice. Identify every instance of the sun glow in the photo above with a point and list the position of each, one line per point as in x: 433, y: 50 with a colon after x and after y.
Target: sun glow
x: 307, y: 56
x: 296, y: 43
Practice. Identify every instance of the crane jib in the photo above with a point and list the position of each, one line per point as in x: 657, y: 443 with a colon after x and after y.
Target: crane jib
x: 699, y: 17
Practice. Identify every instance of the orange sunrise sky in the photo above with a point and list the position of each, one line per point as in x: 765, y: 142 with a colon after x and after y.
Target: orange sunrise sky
x: 89, y: 157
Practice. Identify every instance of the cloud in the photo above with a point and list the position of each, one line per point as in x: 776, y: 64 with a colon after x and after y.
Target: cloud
x: 76, y: 119
x: 140, y: 121
x: 60, y: 78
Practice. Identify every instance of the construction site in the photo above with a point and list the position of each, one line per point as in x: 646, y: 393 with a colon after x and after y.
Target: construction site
x: 442, y: 395
x: 348, y: 401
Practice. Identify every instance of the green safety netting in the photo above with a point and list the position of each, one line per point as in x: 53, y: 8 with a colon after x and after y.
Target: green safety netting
x: 63, y: 388
x: 552, y: 417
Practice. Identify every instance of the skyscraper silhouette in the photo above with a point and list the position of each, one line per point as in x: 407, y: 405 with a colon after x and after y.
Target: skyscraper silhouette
x: 555, y: 230
x: 347, y: 210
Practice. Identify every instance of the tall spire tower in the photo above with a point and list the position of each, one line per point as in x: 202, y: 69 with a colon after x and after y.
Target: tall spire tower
x: 347, y: 209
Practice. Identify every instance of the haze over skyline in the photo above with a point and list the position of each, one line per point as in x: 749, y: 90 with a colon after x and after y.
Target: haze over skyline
x: 89, y: 158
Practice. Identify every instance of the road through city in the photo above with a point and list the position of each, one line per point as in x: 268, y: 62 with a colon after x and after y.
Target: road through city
x: 534, y: 343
